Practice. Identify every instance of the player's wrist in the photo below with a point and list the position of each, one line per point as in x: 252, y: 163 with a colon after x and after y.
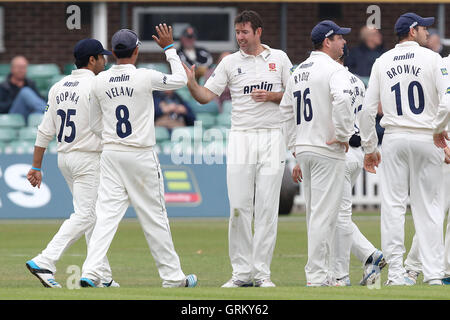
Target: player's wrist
x: 168, y: 46
x: 35, y: 168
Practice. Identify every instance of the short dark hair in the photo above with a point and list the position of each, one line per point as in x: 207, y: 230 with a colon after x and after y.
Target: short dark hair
x: 121, y: 53
x: 403, y: 36
x: 249, y: 16
x: 319, y: 45
x: 81, y: 63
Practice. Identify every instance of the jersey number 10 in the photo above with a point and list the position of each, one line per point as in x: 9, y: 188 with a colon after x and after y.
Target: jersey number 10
x: 411, y: 99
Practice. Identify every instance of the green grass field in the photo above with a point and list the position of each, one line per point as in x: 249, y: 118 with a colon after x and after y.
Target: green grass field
x: 202, y: 247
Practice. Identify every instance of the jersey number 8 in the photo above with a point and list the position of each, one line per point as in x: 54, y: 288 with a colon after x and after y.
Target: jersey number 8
x: 122, y: 116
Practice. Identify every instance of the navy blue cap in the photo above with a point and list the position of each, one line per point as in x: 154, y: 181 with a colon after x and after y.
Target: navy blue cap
x: 89, y: 47
x: 325, y: 29
x: 124, y: 39
x: 410, y: 20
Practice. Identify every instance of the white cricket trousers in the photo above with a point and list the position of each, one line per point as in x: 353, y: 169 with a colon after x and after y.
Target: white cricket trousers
x: 413, y: 261
x: 255, y: 166
x: 411, y: 162
x: 323, y: 184
x: 133, y: 177
x: 348, y: 238
x: 81, y: 172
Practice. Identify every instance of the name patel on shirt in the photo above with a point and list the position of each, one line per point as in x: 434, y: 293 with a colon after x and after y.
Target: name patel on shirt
x: 119, y: 91
x: 263, y: 85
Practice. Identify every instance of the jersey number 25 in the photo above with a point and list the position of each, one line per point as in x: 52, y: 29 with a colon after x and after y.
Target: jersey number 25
x: 66, y: 122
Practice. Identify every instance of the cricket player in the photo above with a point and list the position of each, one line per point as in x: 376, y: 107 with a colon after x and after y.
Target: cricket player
x: 79, y: 150
x: 348, y: 238
x: 122, y: 112
x: 413, y: 264
x: 407, y: 80
x: 317, y: 103
x: 256, y: 76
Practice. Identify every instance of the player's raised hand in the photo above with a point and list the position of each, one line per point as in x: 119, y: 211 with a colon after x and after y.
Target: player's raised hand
x: 372, y: 160
x: 343, y: 144
x: 165, y: 36
x: 440, y: 139
x: 190, y: 72
x: 297, y: 175
x: 35, y: 178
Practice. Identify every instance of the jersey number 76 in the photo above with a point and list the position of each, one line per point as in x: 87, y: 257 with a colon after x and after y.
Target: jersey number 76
x: 307, y: 104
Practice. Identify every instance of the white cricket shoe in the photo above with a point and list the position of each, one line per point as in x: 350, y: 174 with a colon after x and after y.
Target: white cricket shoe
x: 234, y: 283
x: 264, y: 283
x: 44, y: 275
x: 435, y: 282
x: 111, y: 284
x: 411, y: 277
x: 372, y: 268
x: 343, y: 282
x: 390, y: 283
x: 327, y: 283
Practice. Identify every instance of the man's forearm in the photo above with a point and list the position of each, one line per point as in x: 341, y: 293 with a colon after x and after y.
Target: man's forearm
x: 38, y: 156
x: 275, y: 97
x: 201, y: 94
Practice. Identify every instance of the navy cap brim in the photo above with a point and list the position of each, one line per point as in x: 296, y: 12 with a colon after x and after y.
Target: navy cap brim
x: 106, y: 52
x: 426, y: 22
x: 343, y: 31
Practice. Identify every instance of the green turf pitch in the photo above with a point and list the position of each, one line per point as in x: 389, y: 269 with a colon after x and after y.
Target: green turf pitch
x: 202, y: 247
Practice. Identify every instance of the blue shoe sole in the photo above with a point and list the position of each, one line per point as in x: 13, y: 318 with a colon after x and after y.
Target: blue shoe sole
x: 87, y: 283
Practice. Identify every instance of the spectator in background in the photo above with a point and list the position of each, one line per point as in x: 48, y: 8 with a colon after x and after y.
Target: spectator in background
x: 191, y: 54
x: 361, y: 58
x: 226, y: 95
x: 434, y: 43
x: 18, y: 94
x: 171, y: 110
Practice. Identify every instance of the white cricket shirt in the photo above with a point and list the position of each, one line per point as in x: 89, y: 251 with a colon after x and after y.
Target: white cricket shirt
x: 122, y: 109
x: 443, y: 116
x: 408, y: 81
x: 242, y: 73
x: 316, y: 107
x: 67, y: 115
x: 357, y: 93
